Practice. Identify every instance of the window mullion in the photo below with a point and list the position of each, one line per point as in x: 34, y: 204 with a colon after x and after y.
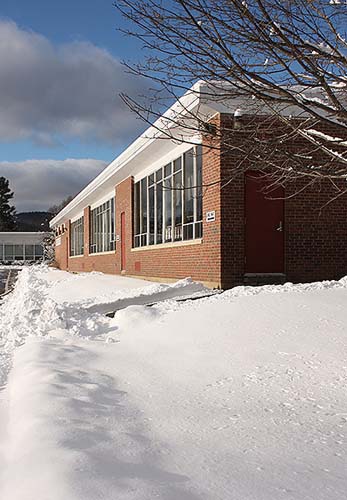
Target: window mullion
x: 183, y: 197
x: 109, y: 223
x: 172, y: 203
x: 195, y: 180
x: 99, y: 232
x: 148, y: 214
x: 104, y: 228
x: 164, y: 207
x: 155, y: 211
x: 140, y: 210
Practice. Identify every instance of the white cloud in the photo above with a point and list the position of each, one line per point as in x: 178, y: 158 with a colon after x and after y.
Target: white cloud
x: 48, y: 91
x: 39, y: 184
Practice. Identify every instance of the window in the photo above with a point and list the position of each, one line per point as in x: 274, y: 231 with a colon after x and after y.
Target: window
x: 29, y: 252
x: 140, y: 208
x: 77, y: 237
x: 38, y: 252
x: 168, y: 203
x: 159, y: 211
x: 9, y: 253
x: 102, y: 228
x: 20, y: 252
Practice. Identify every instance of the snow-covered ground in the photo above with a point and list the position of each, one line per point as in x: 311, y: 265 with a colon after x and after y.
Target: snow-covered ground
x: 239, y: 396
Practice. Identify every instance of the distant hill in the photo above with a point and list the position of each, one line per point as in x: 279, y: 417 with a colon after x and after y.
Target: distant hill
x: 33, y: 221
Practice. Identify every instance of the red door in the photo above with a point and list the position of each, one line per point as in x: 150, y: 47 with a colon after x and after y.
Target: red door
x: 122, y: 241
x: 264, y: 220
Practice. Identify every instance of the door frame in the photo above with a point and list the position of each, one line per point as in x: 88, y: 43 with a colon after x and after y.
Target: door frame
x: 257, y: 172
x: 122, y: 242
x: 67, y: 250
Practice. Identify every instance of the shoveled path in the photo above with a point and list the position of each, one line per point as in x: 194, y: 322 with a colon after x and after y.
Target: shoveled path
x: 8, y: 278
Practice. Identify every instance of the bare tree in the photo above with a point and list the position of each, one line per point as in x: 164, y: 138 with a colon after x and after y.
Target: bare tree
x: 283, y: 61
x: 48, y: 245
x: 55, y: 209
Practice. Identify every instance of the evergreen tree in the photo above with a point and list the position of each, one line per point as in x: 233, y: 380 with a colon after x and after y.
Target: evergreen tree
x: 7, y: 211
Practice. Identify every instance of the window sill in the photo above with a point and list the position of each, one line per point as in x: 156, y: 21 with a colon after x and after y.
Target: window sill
x: 109, y: 252
x: 76, y: 256
x: 173, y: 244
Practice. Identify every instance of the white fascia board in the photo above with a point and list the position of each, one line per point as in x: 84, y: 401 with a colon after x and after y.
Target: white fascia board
x: 17, y: 238
x: 169, y: 157
x: 24, y: 233
x: 77, y: 216
x: 102, y: 200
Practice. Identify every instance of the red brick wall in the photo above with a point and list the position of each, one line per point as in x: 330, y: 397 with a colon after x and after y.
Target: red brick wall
x: 61, y: 251
x: 104, y: 263
x: 315, y: 229
x: 124, y: 203
x: 233, y: 216
x: 315, y: 236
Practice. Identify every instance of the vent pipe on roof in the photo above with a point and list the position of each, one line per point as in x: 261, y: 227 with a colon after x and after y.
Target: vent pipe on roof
x: 237, y: 122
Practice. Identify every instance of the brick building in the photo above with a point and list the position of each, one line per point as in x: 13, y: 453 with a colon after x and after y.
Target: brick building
x: 146, y: 215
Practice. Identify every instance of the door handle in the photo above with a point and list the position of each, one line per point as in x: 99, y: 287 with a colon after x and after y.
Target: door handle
x: 280, y: 227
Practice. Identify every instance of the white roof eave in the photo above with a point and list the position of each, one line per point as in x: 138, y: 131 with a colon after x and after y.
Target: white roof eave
x: 183, y: 106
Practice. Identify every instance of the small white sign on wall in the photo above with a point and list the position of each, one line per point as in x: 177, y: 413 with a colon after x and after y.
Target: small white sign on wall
x: 117, y: 237
x: 211, y: 216
x: 58, y: 242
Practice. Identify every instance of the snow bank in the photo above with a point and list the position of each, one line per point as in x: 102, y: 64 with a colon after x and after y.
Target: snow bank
x: 102, y: 293
x: 241, y: 395
x: 74, y: 434
x: 32, y: 309
x: 240, y: 291
x: 34, y: 459
x: 249, y: 394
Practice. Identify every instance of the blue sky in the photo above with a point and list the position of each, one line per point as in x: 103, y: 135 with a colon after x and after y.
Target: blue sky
x: 59, y: 84
x: 69, y: 20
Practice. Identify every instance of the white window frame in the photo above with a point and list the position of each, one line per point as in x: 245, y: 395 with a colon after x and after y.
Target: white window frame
x: 77, y: 237
x: 169, y: 233
x: 102, y: 237
x: 24, y: 254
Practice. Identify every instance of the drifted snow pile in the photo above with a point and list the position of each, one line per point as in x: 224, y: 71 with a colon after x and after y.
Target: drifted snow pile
x: 60, y: 394
x: 114, y: 300
x: 28, y: 310
x: 238, y: 396
x: 240, y: 291
x: 31, y: 310
x: 25, y: 312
